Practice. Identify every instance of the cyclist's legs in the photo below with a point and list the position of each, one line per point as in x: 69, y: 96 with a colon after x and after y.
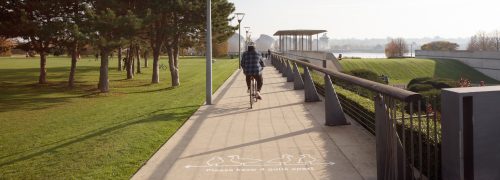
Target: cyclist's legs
x: 260, y: 81
x: 248, y: 78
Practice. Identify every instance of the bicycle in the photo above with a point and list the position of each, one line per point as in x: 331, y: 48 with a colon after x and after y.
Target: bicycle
x: 163, y: 67
x: 253, y: 91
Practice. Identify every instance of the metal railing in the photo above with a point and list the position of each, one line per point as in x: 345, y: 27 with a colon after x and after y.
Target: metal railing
x: 407, y: 138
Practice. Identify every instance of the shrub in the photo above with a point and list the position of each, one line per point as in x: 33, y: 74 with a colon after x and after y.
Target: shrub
x: 437, y: 83
x: 361, y: 73
x: 430, y: 89
x: 420, y: 87
x: 419, y: 80
x: 365, y: 74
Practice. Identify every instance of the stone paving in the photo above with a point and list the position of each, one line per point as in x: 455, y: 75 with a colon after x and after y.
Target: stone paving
x: 282, y: 137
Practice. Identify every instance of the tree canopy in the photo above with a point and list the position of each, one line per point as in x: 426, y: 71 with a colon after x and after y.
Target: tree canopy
x: 440, y: 46
x: 162, y: 26
x: 396, y: 48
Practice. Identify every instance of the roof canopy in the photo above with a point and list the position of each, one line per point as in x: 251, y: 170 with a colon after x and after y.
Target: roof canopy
x: 298, y: 32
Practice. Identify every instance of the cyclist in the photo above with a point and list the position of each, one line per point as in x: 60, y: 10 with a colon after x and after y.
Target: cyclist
x: 252, y: 64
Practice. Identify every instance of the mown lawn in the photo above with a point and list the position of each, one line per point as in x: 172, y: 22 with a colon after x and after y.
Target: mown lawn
x: 401, y: 71
x: 52, y: 132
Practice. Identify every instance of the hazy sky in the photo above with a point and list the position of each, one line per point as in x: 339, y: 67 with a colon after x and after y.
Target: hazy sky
x: 372, y: 18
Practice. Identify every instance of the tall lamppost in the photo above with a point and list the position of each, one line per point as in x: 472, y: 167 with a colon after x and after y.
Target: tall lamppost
x: 240, y: 17
x: 209, y: 54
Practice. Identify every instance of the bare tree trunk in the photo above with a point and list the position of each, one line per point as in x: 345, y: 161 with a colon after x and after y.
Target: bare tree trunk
x: 138, y: 56
x: 176, y: 65
x: 146, y: 53
x: 132, y: 59
x: 120, y: 59
x: 74, y: 57
x: 42, y: 79
x: 174, y: 73
x: 156, y: 68
x: 103, y: 73
x: 128, y: 64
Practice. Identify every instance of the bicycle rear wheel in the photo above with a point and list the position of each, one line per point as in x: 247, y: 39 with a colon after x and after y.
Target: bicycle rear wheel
x: 252, y: 94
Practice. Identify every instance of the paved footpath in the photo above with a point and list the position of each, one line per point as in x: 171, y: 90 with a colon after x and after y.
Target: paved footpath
x: 282, y: 137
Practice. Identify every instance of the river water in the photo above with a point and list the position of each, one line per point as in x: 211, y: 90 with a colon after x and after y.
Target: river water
x: 363, y: 55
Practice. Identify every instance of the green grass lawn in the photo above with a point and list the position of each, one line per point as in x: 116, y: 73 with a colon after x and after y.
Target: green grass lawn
x: 52, y: 132
x: 401, y: 71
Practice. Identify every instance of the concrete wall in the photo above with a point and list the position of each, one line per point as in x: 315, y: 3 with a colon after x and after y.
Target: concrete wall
x: 486, y: 62
x: 470, y: 148
x: 317, y: 58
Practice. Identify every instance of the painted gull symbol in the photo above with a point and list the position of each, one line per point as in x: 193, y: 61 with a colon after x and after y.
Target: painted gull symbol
x: 306, y: 159
x: 285, y: 158
x: 215, y: 161
x: 243, y: 161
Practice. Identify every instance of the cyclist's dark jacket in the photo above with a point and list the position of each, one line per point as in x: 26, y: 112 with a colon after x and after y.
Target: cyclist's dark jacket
x: 251, y: 63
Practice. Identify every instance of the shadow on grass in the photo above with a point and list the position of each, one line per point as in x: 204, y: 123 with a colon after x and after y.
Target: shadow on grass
x: 453, y: 69
x: 32, y: 74
x: 20, y: 90
x: 154, y: 90
x: 151, y: 117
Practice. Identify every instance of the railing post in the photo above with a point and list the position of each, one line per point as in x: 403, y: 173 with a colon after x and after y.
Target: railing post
x: 280, y: 64
x: 277, y: 63
x: 298, y: 83
x: 283, y: 67
x: 389, y: 149
x: 271, y: 57
x: 311, y: 94
x: 334, y: 115
x: 381, y: 138
x: 289, y: 72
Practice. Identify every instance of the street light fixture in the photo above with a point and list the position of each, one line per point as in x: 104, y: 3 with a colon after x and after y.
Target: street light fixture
x: 247, y: 29
x: 240, y: 17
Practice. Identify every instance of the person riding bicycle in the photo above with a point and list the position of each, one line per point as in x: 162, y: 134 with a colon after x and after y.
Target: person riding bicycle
x: 252, y: 64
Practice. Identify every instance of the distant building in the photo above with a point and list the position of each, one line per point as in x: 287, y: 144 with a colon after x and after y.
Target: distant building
x: 264, y: 43
x: 324, y: 43
x: 233, y: 44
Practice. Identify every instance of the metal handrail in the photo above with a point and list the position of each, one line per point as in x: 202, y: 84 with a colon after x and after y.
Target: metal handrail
x: 394, y: 92
x: 397, y: 156
x: 308, y: 58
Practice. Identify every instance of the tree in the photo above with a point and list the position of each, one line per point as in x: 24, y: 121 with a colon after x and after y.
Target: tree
x: 172, y: 25
x: 396, y: 48
x: 6, y: 46
x: 189, y: 28
x: 111, y: 31
x: 76, y: 34
x: 221, y: 49
x: 39, y: 23
x: 119, y: 55
x: 157, y: 19
x: 440, y: 46
x: 482, y: 42
x: 496, y: 39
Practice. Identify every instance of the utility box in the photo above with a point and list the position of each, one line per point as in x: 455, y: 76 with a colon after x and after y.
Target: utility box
x: 470, y: 125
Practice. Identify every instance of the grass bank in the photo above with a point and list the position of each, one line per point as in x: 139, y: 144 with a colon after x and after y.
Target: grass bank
x: 52, y: 132
x: 401, y: 71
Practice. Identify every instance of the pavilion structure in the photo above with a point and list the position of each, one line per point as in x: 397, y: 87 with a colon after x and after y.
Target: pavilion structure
x: 298, y: 40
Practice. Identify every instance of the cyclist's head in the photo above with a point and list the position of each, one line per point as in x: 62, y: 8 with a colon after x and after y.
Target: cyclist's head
x: 251, y: 46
